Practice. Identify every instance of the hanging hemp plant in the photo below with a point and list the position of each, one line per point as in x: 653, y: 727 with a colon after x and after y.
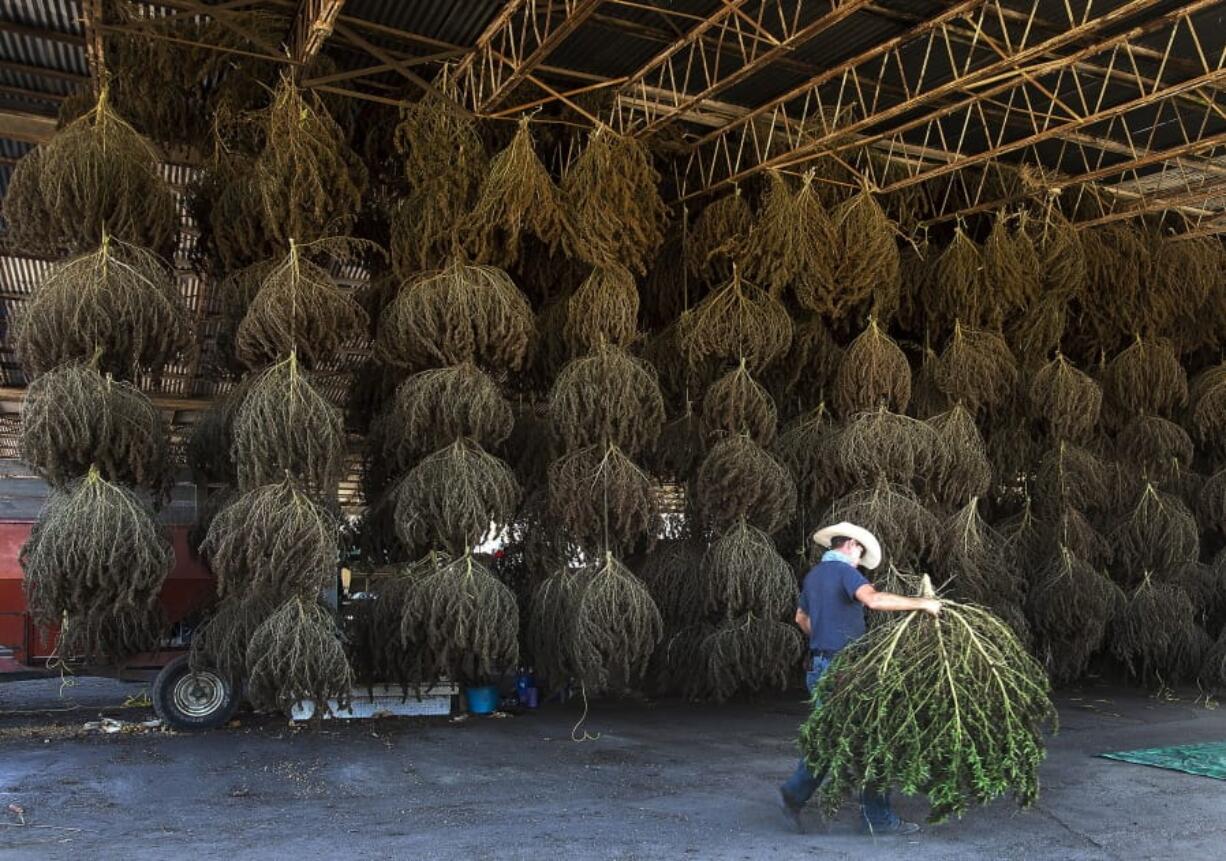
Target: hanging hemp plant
x: 906, y: 529
x: 719, y: 236
x: 608, y: 397
x: 927, y: 397
x: 295, y: 656
x: 1159, y: 533
x: 234, y: 294
x: 274, y: 540
x: 951, y: 707
x: 1205, y: 587
x: 614, y: 626
x: 742, y: 573
x: 604, y: 310
x: 455, y: 496
x: 804, y: 374
x: 917, y: 280
x: 1155, y: 446
x: 434, y: 408
x: 1071, y: 605
x: 1146, y: 378
x: 1037, y: 334
x: 873, y: 371
x: 73, y: 418
x: 1211, y: 504
x: 737, y: 321
x: 974, y: 565
x: 1062, y: 258
x: 977, y: 368
x: 738, y: 480
x: 602, y: 499
x: 444, y: 163
x: 1147, y: 630
x: 1010, y: 269
x: 97, y: 556
x: 1207, y: 416
x: 743, y: 655
x: 464, y: 620
x: 462, y: 313
x: 530, y: 448
x: 300, y: 308
x: 668, y: 573
x: 809, y: 448
x: 1066, y: 400
x: 962, y: 470
x: 285, y: 426
x: 962, y: 291
x: 738, y: 404
x: 517, y: 197
x: 680, y: 447
x: 96, y: 178
x: 1212, y: 673
x: 614, y: 205
x: 790, y: 245
x: 1113, y: 305
x: 551, y: 622
x: 118, y: 303
x: 1069, y: 476
x: 220, y: 642
x: 310, y: 183
x: 865, y: 259
x: 210, y: 452
x: 1071, y: 529
x: 1180, y: 277
x: 879, y: 442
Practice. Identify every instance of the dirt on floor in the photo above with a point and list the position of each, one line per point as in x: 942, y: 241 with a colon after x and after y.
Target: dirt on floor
x: 655, y: 781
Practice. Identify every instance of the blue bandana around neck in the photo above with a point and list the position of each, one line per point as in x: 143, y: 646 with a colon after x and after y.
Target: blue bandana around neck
x: 836, y: 556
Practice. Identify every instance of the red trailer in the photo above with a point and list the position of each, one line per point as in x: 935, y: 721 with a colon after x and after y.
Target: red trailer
x: 183, y: 699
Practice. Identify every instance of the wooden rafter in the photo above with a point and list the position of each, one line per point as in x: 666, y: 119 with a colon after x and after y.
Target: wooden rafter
x: 1147, y: 205
x: 1174, y: 154
x: 514, y: 44
x: 91, y: 25
x: 856, y: 84
x: 707, y: 72
x: 311, y: 27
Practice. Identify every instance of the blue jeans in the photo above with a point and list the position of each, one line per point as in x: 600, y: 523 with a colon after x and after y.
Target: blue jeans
x: 874, y: 806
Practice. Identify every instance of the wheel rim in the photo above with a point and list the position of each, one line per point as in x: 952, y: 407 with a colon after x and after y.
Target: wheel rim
x: 199, y: 694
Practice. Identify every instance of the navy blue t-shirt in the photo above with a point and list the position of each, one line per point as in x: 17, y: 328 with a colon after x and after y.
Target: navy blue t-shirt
x: 828, y: 598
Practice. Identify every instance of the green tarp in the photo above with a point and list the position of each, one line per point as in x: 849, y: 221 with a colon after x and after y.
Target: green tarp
x: 1207, y: 759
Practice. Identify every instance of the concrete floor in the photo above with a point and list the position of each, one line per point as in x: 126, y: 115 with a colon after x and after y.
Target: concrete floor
x: 663, y: 781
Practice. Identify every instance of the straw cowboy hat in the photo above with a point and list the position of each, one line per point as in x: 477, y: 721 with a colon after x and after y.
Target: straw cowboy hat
x: 872, y: 548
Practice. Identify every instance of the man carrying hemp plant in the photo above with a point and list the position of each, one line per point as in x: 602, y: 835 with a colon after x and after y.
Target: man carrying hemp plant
x: 830, y: 610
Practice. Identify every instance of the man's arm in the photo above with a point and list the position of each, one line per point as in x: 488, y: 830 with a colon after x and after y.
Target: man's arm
x: 802, y: 620
x: 888, y: 602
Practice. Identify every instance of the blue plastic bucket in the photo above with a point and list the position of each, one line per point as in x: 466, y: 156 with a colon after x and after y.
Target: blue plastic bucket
x: 482, y: 701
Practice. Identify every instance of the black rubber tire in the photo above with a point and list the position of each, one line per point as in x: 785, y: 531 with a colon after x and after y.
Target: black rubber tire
x: 215, y: 710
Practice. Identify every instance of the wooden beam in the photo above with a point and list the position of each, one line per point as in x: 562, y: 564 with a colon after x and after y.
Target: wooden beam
x: 311, y: 27
x: 39, y: 33
x: 15, y: 395
x: 1003, y: 68
x: 31, y: 94
x: 91, y: 24
x: 1186, y: 199
x: 1209, y: 79
x: 514, y: 45
x: 840, y: 13
x: 398, y: 66
x: 380, y: 68
x: 30, y: 128
x: 1064, y: 183
x: 44, y: 72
